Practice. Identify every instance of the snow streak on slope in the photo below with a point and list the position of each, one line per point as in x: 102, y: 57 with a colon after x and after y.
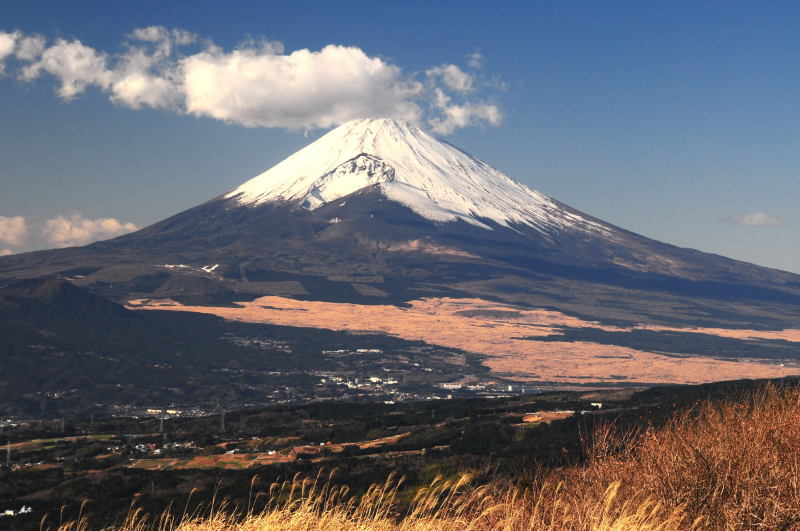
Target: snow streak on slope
x: 429, y: 176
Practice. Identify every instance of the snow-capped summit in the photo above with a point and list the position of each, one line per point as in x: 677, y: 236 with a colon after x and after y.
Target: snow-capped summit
x: 411, y: 167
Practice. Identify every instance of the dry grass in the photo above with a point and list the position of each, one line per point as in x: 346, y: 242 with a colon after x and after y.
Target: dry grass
x: 495, y: 330
x: 725, y: 465
x: 733, y: 465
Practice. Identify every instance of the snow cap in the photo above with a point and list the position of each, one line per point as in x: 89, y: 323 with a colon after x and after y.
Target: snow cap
x: 431, y: 177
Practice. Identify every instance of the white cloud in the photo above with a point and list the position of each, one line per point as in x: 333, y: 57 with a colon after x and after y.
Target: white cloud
x: 449, y: 115
x: 304, y: 89
x: 138, y: 89
x: 257, y: 84
x: 64, y: 231
x: 30, y: 48
x: 7, y: 43
x: 453, y: 77
x: 755, y: 219
x: 147, y: 74
x: 13, y: 230
x: 75, y: 65
x: 6, y: 252
x: 455, y: 116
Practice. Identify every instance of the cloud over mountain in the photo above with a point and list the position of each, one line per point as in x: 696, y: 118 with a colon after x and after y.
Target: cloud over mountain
x: 257, y: 84
x: 303, y: 89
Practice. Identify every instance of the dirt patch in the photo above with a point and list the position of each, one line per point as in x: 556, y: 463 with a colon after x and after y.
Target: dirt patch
x: 545, y: 416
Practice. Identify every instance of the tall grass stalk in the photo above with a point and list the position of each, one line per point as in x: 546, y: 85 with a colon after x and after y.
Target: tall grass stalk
x: 720, y: 465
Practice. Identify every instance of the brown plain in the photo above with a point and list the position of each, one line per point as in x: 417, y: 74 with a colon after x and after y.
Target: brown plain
x: 495, y: 331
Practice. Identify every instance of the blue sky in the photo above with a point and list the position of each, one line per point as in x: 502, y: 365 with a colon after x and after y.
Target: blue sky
x: 675, y: 120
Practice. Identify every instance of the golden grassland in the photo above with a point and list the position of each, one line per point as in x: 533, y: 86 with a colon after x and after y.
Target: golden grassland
x: 724, y: 465
x: 496, y: 330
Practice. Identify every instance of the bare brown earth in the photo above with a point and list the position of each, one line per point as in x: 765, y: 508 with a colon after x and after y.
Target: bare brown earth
x: 495, y: 330
x: 546, y: 416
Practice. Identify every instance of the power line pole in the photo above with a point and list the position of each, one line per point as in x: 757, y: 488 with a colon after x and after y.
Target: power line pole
x: 222, y: 422
x: 8, y: 453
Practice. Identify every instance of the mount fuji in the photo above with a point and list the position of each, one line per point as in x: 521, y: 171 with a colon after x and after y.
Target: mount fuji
x: 380, y: 212
x: 427, y: 175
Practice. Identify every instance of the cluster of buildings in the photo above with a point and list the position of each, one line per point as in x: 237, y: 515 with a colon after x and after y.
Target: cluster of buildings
x: 262, y: 343
x: 25, y: 509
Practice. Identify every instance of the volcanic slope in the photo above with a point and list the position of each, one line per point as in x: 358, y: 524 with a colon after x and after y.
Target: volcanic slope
x: 379, y: 211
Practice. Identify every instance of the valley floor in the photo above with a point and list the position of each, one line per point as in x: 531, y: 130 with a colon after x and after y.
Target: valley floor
x: 534, y: 345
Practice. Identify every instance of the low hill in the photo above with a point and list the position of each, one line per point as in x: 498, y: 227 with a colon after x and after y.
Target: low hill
x: 66, y: 351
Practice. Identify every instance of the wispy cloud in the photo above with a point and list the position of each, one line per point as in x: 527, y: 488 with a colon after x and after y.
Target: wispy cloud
x: 75, y: 66
x: 257, y: 84
x: 452, y: 96
x: 453, y: 77
x: 475, y: 60
x: 6, y: 252
x: 455, y: 116
x: 755, y: 219
x: 64, y: 231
